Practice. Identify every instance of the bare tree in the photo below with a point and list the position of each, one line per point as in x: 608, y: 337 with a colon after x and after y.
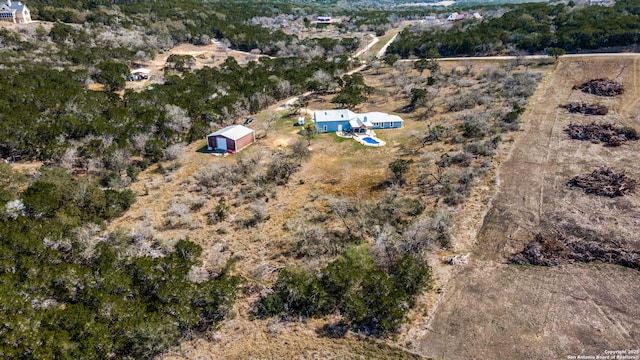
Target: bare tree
x: 300, y: 103
x: 283, y: 88
x: 272, y: 117
x: 375, y: 64
x: 117, y: 160
x: 174, y: 152
x: 204, y: 39
x: 138, y: 141
x: 142, y: 57
x: 224, y: 45
x: 300, y: 151
x: 309, y: 131
x: 68, y: 159
x: 177, y: 119
x: 324, y: 80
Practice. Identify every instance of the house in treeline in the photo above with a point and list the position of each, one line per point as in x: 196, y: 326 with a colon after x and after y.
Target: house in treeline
x: 324, y: 20
x: 457, y: 17
x: 139, y: 74
x: 231, y: 139
x: 344, y: 120
x: 15, y: 12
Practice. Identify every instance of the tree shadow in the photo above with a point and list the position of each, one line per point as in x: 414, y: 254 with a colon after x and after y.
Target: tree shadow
x: 383, y: 185
x: 205, y: 150
x: 336, y: 330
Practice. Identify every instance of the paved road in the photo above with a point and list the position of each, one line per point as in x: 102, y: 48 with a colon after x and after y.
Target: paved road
x: 374, y: 40
x: 382, y: 51
x: 529, y: 57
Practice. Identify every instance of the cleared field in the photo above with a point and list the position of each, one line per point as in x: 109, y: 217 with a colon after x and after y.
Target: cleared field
x: 494, y: 310
x: 497, y: 311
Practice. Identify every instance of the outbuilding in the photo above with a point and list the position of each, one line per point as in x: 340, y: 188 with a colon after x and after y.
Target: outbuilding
x: 231, y: 139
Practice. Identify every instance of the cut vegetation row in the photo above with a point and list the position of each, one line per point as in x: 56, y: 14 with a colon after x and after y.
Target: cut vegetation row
x: 553, y: 250
x: 604, y: 182
x: 586, y: 109
x: 601, y: 87
x: 607, y: 133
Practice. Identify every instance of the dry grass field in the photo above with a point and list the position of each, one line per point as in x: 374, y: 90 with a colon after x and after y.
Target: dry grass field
x: 494, y: 310
x: 205, y: 56
x: 487, y: 308
x: 500, y: 188
x: 173, y: 203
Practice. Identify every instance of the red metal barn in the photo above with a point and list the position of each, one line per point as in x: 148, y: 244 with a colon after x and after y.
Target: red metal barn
x: 231, y: 139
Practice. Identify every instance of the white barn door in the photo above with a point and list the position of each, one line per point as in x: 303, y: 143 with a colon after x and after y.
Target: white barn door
x: 221, y: 143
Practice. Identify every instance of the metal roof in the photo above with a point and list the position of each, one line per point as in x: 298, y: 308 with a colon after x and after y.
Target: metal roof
x: 13, y: 5
x: 375, y: 117
x: 233, y: 132
x: 333, y: 115
x: 356, y: 123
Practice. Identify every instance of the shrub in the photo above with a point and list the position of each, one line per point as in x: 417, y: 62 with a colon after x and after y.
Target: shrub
x: 461, y: 158
x: 256, y: 215
x: 464, y: 101
x: 629, y: 132
x: 296, y: 292
x: 178, y: 215
x: 219, y: 213
x: 475, y: 126
x: 174, y: 152
x: 478, y: 148
x: 399, y: 167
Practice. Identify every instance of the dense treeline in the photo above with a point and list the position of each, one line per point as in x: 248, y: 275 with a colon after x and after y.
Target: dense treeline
x: 532, y: 28
x: 49, y: 115
x: 134, y: 32
x: 373, y: 299
x: 65, y: 295
x: 184, y: 22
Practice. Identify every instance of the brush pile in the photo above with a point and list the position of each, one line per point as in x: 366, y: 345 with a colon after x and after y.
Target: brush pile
x: 606, y: 132
x: 601, y: 87
x: 552, y: 250
x: 586, y: 109
x: 604, y: 182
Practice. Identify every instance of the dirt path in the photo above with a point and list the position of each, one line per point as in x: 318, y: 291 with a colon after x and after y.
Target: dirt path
x: 205, y: 55
x: 495, y: 310
x: 285, y: 104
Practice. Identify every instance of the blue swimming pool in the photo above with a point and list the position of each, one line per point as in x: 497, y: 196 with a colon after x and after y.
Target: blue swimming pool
x: 371, y: 141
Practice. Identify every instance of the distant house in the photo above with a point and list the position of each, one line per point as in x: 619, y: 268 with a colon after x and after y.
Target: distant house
x: 15, y: 12
x: 231, y: 139
x: 601, y: 2
x: 139, y: 74
x: 348, y: 121
x: 456, y: 17
x: 324, y: 20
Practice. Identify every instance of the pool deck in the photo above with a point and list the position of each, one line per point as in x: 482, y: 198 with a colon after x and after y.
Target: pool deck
x: 369, y: 134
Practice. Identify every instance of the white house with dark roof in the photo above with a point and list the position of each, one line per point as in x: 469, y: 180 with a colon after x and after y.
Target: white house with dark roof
x: 324, y: 20
x: 15, y: 12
